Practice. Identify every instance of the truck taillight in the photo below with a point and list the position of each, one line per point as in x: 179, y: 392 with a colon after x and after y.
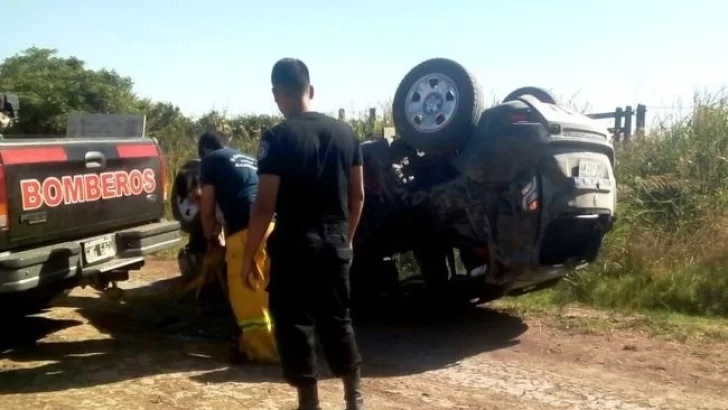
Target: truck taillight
x: 163, y: 173
x: 4, y: 217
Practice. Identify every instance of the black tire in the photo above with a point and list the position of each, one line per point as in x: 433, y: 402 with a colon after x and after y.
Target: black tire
x: 188, y: 222
x: 540, y: 94
x: 462, y: 123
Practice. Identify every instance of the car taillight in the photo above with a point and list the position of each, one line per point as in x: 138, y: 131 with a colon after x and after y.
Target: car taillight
x: 163, y: 173
x: 4, y: 217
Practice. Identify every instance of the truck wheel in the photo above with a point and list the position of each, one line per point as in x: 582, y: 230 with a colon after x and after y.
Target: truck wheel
x: 540, y: 94
x: 184, y: 211
x: 437, y: 106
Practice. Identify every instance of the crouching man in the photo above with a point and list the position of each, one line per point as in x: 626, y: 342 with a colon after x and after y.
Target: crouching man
x: 229, y: 180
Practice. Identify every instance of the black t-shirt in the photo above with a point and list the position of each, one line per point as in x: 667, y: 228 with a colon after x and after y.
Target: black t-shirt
x: 235, y: 180
x: 312, y: 154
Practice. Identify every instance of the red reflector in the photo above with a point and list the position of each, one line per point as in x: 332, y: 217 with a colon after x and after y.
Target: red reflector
x: 17, y: 156
x: 481, y: 252
x: 518, y: 117
x: 137, y: 151
x: 4, y: 217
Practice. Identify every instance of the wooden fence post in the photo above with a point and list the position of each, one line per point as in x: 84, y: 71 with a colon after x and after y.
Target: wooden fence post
x: 618, y: 122
x: 628, y: 112
x: 622, y: 131
x: 641, y: 119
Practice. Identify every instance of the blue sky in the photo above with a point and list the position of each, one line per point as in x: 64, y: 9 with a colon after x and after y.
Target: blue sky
x: 217, y: 54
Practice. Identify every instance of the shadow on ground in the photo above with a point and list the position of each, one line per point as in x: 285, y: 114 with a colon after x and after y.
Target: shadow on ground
x: 25, y: 332
x: 135, y: 341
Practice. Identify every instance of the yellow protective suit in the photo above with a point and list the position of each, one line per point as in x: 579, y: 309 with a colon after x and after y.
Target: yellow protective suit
x: 250, y: 307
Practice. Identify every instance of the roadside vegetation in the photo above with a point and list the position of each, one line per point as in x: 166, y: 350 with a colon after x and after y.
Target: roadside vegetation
x: 668, y: 252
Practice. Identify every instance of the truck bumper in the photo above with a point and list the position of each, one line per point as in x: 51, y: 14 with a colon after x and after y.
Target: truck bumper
x: 34, y: 268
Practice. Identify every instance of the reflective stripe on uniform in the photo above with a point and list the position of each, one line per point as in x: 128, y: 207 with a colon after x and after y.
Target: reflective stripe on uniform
x: 256, y: 322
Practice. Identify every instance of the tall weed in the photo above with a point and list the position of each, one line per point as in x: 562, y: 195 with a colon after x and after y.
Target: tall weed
x: 669, y: 249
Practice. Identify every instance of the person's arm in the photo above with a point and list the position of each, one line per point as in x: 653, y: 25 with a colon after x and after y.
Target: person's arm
x: 210, y: 226
x: 262, y: 213
x: 270, y: 167
x: 356, y: 192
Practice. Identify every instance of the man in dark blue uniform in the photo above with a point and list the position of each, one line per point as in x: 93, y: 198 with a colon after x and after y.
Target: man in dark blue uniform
x: 229, y: 181
x: 310, y: 170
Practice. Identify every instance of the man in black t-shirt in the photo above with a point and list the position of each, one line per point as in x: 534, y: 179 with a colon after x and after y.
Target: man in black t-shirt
x: 310, y: 175
x: 230, y: 179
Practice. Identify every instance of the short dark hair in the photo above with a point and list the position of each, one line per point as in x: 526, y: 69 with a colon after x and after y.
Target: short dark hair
x: 290, y: 75
x: 211, y: 140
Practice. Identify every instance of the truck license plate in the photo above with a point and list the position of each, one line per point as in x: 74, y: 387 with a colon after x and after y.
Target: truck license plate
x: 99, y: 249
x: 590, y: 169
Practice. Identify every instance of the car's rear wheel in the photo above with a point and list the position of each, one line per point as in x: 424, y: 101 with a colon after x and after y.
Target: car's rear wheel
x: 437, y: 106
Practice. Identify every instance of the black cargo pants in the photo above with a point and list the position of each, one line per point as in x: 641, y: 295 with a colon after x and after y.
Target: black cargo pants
x: 309, y: 295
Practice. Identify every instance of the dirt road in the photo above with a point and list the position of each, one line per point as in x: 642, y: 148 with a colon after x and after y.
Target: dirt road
x: 93, y: 353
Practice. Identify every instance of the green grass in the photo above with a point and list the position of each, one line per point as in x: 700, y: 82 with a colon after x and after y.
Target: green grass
x: 669, y: 250
x: 582, y: 319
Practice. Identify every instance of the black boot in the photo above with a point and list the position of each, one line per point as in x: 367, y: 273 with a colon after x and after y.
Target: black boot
x: 308, y: 398
x: 352, y: 391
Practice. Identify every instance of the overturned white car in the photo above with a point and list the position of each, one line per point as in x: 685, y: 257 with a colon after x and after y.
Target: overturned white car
x: 521, y: 192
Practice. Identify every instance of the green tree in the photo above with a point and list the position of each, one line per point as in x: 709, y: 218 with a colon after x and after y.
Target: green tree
x: 50, y: 87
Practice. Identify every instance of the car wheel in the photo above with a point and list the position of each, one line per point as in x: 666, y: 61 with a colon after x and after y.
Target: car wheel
x: 540, y: 94
x: 437, y: 106
x: 183, y: 210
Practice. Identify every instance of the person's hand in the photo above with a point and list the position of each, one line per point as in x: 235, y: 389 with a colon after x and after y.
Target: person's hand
x: 251, y: 275
x: 247, y: 267
x: 255, y: 278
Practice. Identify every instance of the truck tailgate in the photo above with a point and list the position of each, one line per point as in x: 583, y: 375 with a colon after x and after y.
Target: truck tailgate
x: 70, y: 188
